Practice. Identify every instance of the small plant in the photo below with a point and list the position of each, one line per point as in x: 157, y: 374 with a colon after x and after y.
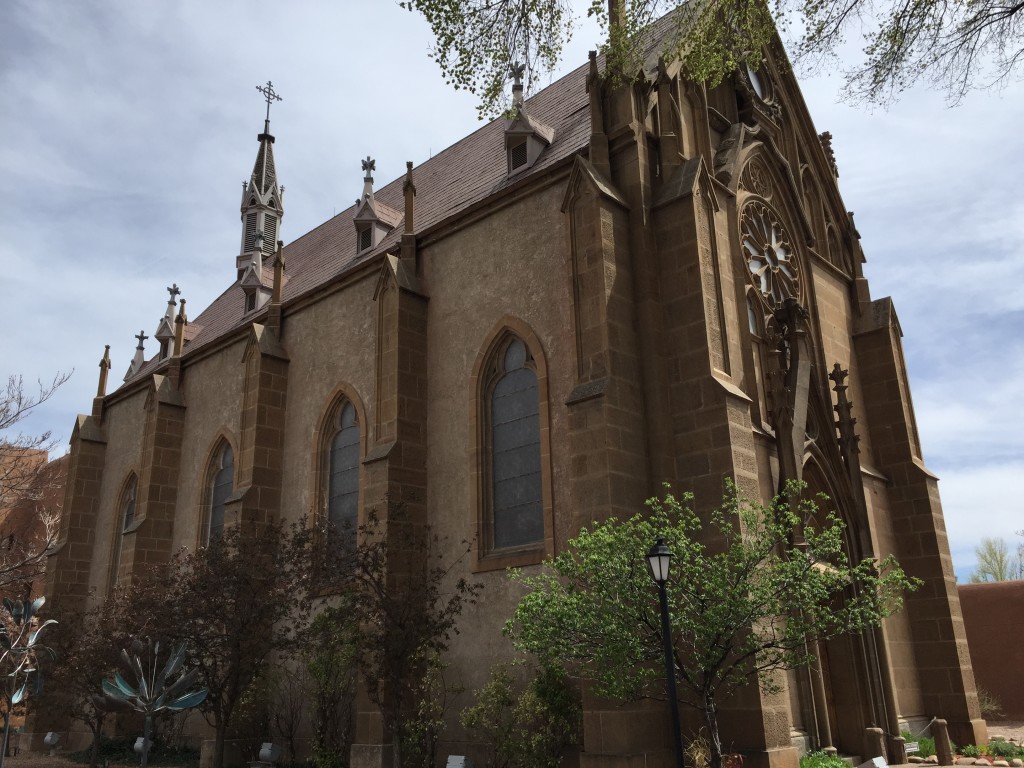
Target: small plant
x: 970, y: 750
x: 925, y: 744
x: 1004, y: 749
x: 697, y: 751
x: 991, y: 707
x: 822, y: 760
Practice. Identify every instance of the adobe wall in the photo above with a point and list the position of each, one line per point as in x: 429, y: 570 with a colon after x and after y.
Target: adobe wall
x: 994, y: 619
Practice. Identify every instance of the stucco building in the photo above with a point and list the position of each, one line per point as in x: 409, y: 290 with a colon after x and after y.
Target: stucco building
x: 623, y: 285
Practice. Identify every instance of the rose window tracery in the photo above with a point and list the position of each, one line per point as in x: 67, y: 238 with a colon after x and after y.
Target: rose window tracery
x: 769, y: 254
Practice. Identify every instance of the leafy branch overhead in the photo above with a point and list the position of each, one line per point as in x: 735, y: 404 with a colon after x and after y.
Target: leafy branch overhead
x: 958, y: 46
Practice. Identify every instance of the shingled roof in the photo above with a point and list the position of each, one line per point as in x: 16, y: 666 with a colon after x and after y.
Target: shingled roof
x: 466, y: 173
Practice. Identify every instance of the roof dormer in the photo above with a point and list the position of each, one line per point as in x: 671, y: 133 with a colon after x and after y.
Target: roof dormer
x: 373, y: 220
x: 257, y: 291
x: 525, y: 136
x: 165, y: 328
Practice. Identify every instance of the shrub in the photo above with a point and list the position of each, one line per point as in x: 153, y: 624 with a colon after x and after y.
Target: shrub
x: 530, y: 730
x: 822, y: 760
x: 1004, y: 749
x: 970, y: 750
x: 991, y: 707
x: 926, y: 744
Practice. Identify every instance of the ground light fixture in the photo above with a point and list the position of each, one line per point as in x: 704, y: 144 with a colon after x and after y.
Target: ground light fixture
x: 659, y: 558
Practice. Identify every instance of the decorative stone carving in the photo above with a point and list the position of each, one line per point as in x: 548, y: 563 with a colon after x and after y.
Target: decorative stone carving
x: 770, y: 256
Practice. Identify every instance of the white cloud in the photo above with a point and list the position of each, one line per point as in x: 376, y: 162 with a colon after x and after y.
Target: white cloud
x: 128, y: 128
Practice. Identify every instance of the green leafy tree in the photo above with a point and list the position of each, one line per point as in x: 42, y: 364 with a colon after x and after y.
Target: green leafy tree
x: 996, y: 562
x: 746, y: 594
x: 959, y: 45
x: 330, y: 654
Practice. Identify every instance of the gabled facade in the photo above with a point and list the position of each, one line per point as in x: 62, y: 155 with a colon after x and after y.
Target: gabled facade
x: 670, y: 289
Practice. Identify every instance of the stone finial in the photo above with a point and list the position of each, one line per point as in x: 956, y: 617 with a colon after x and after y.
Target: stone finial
x: 845, y: 423
x: 101, y: 389
x: 278, y: 289
x: 140, y: 356
x: 410, y: 197
x: 826, y: 144
x: 369, y: 166
x: 179, y: 329
x: 516, y: 71
x: 174, y: 291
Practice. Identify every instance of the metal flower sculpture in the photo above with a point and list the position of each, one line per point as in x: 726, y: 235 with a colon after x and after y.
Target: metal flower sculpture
x: 153, y: 691
x: 19, y: 648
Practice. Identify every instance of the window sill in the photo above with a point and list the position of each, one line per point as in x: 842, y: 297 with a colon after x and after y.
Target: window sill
x: 514, y: 558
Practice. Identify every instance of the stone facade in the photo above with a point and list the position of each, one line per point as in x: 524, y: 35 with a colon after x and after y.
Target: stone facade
x: 661, y: 243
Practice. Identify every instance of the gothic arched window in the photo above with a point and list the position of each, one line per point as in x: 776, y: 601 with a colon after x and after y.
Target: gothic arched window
x: 220, y: 487
x: 514, y: 497
x: 342, y: 473
x: 126, y: 516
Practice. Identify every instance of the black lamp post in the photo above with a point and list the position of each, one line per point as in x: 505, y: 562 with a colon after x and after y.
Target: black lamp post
x: 658, y: 559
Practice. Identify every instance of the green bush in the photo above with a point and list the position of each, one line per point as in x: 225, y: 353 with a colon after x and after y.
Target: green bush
x: 970, y: 750
x: 822, y: 760
x: 926, y: 744
x: 1004, y: 749
x: 528, y: 730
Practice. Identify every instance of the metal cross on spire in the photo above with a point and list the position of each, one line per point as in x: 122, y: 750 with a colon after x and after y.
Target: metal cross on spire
x: 174, y: 290
x: 141, y: 336
x: 369, y: 165
x: 269, y: 94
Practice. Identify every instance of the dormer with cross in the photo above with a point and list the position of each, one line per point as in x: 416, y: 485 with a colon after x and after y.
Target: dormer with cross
x: 262, y: 199
x: 140, y: 356
x: 373, y: 220
x: 525, y: 136
x: 165, y: 328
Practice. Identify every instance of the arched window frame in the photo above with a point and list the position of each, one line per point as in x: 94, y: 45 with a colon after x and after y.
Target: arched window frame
x: 330, y: 429
x: 217, y: 464
x: 487, y: 371
x: 126, y: 508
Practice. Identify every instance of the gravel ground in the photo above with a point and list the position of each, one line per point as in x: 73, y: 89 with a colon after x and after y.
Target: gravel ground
x: 1010, y: 729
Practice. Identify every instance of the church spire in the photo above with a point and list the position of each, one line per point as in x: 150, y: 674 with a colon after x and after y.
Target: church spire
x: 262, y: 199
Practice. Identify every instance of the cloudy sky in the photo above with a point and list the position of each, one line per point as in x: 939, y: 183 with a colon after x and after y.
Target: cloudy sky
x: 127, y: 129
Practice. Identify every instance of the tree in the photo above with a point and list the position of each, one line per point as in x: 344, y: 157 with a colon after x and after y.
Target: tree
x: 87, y: 647
x: 746, y: 596
x: 996, y: 562
x: 27, y: 484
x: 959, y: 45
x: 405, y: 600
x: 233, y: 603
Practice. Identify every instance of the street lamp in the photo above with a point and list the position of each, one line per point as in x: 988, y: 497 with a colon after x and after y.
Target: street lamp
x: 659, y: 559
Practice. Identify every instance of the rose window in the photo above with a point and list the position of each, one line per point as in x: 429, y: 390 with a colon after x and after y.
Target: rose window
x: 769, y: 255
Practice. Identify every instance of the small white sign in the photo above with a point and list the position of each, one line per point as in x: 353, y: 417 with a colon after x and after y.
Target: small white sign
x: 912, y: 747
x: 459, y: 761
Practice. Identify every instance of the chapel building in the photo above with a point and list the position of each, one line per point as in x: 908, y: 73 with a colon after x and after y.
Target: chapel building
x: 619, y: 286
